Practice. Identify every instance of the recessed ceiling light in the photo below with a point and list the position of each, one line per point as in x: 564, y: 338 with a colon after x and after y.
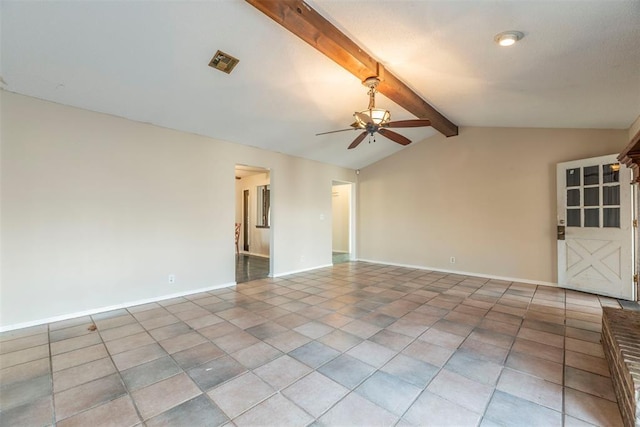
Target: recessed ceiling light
x: 508, y: 38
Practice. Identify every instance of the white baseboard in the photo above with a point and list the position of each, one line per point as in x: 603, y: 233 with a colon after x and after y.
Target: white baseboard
x: 304, y: 270
x: 111, y: 307
x: 464, y: 273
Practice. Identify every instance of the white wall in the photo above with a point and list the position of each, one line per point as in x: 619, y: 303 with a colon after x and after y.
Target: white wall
x: 258, y: 237
x: 341, y: 194
x: 486, y: 197
x: 97, y: 210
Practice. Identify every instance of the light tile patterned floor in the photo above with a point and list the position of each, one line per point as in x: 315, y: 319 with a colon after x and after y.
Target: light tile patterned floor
x: 354, y: 344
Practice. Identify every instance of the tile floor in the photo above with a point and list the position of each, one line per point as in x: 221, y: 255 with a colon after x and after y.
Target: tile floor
x: 249, y: 267
x: 356, y: 344
x: 339, y: 257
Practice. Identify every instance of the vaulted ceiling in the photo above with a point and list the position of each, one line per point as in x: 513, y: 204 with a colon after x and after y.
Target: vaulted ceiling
x: 578, y: 66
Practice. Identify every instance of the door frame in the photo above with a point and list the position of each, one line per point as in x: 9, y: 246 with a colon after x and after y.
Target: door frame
x: 352, y: 216
x: 247, y: 223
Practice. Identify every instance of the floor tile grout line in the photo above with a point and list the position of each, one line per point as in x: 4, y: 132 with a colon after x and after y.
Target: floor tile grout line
x: 126, y: 389
x: 501, y: 369
x: 53, y: 395
x: 244, y: 411
x: 400, y: 352
x: 564, y: 362
x: 353, y: 390
x: 486, y: 408
x: 279, y: 391
x: 205, y: 392
x: 182, y: 370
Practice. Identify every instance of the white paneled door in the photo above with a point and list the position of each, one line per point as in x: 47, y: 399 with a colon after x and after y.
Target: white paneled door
x: 595, y: 227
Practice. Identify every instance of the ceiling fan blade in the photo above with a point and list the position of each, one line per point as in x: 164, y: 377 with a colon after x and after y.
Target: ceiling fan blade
x: 408, y: 123
x: 363, y: 117
x: 395, y: 137
x: 334, y: 131
x: 358, y: 140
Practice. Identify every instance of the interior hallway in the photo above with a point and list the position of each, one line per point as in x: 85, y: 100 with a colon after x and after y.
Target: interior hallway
x: 339, y: 257
x: 250, y: 267
x: 353, y: 344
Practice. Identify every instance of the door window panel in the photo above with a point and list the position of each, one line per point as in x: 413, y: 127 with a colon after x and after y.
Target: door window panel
x: 592, y: 217
x: 573, y: 177
x: 573, y: 197
x: 611, y: 195
x: 611, y: 217
x: 611, y: 173
x: 573, y: 218
x: 591, y: 175
x: 592, y: 196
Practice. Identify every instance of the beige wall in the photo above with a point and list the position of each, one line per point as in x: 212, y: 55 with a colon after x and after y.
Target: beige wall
x: 340, y: 217
x: 634, y: 128
x: 97, y: 211
x: 259, y: 238
x: 485, y: 197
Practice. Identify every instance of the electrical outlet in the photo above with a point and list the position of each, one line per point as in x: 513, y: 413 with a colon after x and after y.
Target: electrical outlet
x: 452, y: 260
x: 172, y: 278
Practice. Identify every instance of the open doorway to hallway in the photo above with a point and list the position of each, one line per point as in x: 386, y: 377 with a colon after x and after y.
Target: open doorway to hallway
x: 342, y: 221
x: 253, y: 223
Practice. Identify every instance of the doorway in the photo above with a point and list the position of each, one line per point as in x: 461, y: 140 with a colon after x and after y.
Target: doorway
x: 245, y: 220
x: 342, y: 221
x: 253, y: 217
x: 595, y: 231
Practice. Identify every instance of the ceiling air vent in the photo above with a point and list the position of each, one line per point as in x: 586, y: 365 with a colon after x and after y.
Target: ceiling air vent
x: 223, y: 62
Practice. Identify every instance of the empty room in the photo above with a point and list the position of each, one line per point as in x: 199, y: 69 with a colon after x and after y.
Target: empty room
x: 340, y: 213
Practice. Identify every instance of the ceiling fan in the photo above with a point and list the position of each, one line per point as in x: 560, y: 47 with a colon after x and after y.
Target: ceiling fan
x: 374, y: 120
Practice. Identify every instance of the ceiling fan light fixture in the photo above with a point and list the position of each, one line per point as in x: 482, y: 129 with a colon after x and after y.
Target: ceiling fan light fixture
x: 508, y: 38
x: 378, y: 117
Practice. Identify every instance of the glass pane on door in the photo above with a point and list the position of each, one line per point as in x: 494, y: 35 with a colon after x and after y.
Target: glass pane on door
x: 573, y: 218
x: 591, y: 175
x: 611, y: 195
x: 611, y: 217
x: 611, y: 172
x: 573, y: 197
x: 573, y: 177
x: 592, y: 196
x: 592, y: 217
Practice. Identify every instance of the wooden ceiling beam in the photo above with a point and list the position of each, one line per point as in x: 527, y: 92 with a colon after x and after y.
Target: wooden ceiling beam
x: 303, y: 21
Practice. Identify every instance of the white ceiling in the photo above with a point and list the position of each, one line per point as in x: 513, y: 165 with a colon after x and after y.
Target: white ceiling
x: 578, y: 66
